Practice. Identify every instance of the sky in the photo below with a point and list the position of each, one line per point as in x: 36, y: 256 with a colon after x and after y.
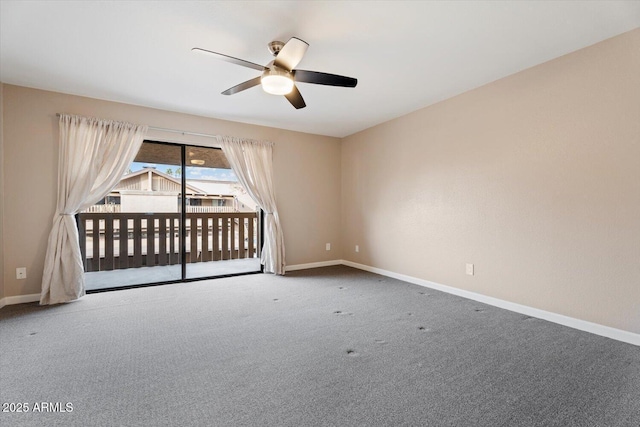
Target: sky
x: 192, y: 172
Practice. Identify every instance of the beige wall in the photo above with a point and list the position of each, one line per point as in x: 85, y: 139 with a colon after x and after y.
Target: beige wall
x: 307, y: 176
x: 534, y: 178
x: 1, y: 194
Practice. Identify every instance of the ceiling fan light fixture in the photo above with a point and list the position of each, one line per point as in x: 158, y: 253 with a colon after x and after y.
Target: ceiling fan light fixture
x: 276, y: 81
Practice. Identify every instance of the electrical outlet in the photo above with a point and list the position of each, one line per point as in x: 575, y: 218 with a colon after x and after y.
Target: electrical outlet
x: 328, y: 246
x: 21, y: 273
x: 470, y: 269
x: 357, y: 248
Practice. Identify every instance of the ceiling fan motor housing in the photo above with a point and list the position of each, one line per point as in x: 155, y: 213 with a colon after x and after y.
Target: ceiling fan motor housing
x: 275, y: 47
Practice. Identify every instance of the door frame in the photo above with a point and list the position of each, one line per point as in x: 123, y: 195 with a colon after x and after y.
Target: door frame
x: 182, y: 230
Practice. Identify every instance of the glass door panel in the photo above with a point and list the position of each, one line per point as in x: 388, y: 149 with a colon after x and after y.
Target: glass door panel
x: 222, y: 221
x: 132, y: 236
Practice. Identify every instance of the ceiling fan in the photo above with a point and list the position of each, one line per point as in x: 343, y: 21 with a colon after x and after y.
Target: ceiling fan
x: 279, y: 76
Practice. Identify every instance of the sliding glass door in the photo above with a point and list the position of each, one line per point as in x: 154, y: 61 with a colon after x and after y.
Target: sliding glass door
x: 177, y: 214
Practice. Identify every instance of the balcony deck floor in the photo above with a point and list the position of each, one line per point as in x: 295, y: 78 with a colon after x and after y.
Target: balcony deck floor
x: 158, y: 274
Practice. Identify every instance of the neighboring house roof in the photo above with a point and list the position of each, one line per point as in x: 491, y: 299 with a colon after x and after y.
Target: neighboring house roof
x: 213, y: 187
x: 224, y: 188
x: 190, y: 188
x: 194, y: 186
x: 197, y: 186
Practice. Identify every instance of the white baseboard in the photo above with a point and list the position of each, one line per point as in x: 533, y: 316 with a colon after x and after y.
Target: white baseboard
x: 582, y: 325
x: 19, y: 299
x: 314, y: 265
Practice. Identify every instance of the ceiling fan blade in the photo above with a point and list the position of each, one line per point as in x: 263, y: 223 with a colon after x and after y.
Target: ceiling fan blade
x: 323, y: 78
x: 230, y: 59
x: 291, y: 53
x: 295, y: 98
x: 242, y: 86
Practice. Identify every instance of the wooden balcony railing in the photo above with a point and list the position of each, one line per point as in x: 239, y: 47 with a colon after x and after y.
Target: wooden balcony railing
x: 111, y: 241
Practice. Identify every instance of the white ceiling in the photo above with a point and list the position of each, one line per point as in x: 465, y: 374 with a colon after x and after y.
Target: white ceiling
x: 405, y: 55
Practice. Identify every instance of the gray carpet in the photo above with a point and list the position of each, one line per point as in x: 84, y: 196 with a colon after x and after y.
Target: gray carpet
x: 326, y: 347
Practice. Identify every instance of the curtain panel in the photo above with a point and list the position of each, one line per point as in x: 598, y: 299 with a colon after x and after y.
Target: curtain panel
x: 252, y: 162
x: 93, y: 156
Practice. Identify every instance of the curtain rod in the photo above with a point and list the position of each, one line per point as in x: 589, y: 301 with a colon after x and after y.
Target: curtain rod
x: 182, y: 132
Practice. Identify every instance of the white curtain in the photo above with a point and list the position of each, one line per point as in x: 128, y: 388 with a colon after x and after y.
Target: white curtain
x: 93, y: 156
x: 252, y: 162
